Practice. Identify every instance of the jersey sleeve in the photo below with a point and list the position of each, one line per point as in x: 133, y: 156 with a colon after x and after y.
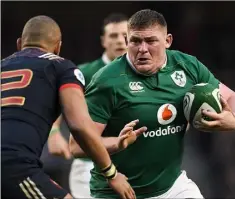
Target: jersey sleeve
x: 69, y: 75
x: 205, y: 76
x: 100, y: 100
x: 84, y: 68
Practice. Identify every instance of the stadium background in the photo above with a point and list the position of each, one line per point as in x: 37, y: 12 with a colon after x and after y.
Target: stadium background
x: 203, y: 29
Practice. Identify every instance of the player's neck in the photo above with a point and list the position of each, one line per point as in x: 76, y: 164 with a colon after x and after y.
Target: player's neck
x: 39, y: 48
x: 105, y: 58
x: 27, y: 47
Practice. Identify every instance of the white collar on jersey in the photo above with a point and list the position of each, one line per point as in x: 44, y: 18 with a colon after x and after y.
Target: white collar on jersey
x: 105, y: 59
x: 132, y: 66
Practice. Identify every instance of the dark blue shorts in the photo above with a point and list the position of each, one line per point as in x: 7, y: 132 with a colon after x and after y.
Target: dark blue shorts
x: 22, y: 175
x: 25, y: 180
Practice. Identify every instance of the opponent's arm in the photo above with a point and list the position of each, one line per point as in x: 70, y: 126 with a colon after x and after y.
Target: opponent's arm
x: 109, y: 143
x: 82, y: 127
x: 113, y: 144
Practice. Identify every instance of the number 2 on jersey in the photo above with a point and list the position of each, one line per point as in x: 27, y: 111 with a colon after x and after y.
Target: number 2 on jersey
x: 26, y: 77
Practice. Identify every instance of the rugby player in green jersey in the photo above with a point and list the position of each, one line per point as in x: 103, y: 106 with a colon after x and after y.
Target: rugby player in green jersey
x: 113, y: 34
x: 148, y: 83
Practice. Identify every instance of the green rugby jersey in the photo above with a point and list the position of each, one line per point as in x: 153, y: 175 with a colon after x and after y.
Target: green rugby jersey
x: 89, y: 69
x: 117, y: 95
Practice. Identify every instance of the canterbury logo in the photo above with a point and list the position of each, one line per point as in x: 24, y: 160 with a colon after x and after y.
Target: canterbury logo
x: 50, y: 56
x: 31, y: 190
x: 136, y: 86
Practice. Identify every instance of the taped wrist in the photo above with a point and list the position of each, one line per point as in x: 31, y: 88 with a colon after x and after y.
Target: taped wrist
x: 109, y: 172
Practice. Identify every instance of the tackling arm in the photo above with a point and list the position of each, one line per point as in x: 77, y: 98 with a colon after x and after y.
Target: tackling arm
x: 126, y: 137
x: 81, y: 125
x: 110, y: 144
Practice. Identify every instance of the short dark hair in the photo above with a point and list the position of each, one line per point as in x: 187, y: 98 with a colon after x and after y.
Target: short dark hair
x: 40, y: 29
x: 113, y: 18
x: 146, y: 18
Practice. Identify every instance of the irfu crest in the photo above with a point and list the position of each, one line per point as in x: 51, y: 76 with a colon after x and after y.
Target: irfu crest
x: 179, y: 78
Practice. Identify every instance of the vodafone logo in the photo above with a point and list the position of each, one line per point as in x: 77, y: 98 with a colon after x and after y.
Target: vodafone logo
x: 166, y: 114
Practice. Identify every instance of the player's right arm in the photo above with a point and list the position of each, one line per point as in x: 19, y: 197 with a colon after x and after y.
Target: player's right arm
x: 112, y: 144
x: 84, y: 132
x: 75, y: 113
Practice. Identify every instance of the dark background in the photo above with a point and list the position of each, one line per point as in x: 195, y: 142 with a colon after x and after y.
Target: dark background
x: 203, y: 29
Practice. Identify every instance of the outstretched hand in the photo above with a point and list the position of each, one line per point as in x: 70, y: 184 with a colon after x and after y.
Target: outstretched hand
x: 128, y: 135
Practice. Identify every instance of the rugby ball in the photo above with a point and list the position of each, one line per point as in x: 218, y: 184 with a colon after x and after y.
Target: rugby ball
x: 201, y: 96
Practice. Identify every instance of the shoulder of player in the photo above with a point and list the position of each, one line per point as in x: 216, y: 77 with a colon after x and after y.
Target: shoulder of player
x: 90, y: 65
x: 64, y: 63
x: 57, y: 60
x: 110, y: 76
x: 181, y: 56
x: 178, y: 58
x: 51, y: 57
x: 111, y: 71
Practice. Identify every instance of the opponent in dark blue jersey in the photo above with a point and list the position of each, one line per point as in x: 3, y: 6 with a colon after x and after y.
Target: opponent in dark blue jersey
x: 36, y: 85
x: 31, y: 80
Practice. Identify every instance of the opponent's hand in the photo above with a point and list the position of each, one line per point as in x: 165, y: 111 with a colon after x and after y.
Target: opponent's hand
x: 224, y: 121
x: 120, y: 185
x: 128, y: 136
x: 58, y: 146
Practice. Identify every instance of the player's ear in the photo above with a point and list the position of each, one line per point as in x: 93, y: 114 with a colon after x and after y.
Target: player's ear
x: 169, y: 40
x: 57, y: 48
x: 19, y: 44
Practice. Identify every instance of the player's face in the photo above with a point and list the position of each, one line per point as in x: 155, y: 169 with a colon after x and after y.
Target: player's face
x: 147, y: 48
x: 113, y: 39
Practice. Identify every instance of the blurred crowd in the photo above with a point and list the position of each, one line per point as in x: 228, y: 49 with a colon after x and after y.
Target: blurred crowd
x: 203, y: 29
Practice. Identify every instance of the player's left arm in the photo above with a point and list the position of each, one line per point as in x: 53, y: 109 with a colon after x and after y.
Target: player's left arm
x: 224, y: 121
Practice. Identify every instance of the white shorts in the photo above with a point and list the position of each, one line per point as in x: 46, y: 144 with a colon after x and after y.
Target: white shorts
x: 79, y: 178
x: 182, y: 188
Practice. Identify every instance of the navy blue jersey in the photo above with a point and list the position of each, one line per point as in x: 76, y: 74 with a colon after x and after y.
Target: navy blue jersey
x: 31, y: 80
